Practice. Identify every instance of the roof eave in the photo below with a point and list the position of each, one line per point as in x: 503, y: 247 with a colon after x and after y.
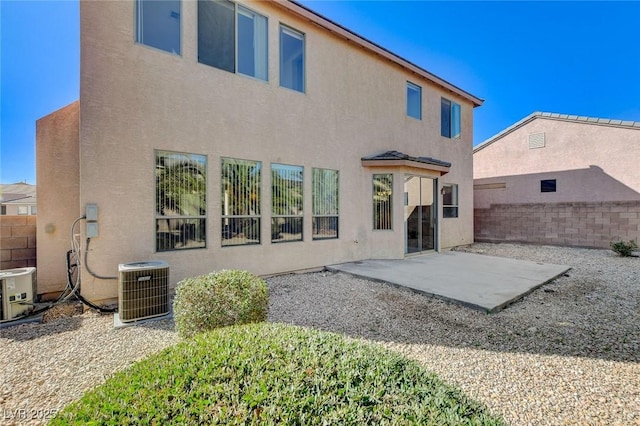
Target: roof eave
x: 349, y: 35
x: 405, y: 163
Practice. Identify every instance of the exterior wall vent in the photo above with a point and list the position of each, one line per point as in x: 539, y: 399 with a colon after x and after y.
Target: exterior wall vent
x: 143, y: 290
x: 536, y: 140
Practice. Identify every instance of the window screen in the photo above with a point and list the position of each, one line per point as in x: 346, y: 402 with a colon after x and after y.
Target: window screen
x: 382, y: 201
x: 240, y: 202
x: 286, y: 202
x: 181, y: 200
x: 325, y: 203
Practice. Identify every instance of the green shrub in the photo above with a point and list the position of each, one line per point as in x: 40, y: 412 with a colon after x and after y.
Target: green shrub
x: 624, y: 249
x: 219, y: 299
x: 275, y: 374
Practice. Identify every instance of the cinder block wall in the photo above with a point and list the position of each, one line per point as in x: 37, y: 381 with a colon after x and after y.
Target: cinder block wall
x: 17, y: 241
x: 592, y: 225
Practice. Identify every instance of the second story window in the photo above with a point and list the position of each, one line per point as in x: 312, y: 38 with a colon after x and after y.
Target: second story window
x: 414, y: 101
x: 158, y: 24
x: 291, y: 59
x: 232, y: 38
x: 450, y: 119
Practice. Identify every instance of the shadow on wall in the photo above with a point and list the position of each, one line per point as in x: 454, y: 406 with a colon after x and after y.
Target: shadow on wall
x: 576, y: 208
x: 579, y: 185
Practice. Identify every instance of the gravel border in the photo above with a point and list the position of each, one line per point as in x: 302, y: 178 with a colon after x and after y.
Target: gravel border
x: 566, y: 354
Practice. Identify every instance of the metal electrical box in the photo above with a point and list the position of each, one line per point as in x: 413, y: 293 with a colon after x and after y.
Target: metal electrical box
x: 17, y: 291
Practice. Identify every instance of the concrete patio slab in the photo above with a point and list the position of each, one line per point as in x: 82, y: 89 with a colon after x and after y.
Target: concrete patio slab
x: 481, y: 282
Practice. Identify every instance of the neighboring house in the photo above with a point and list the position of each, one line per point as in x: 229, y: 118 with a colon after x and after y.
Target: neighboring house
x: 559, y: 179
x: 256, y: 135
x: 18, y: 199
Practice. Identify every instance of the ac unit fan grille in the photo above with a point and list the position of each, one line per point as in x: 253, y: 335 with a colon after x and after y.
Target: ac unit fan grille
x: 143, y: 294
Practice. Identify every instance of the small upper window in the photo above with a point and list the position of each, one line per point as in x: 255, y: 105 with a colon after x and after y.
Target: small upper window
x: 235, y: 47
x: 291, y: 59
x: 23, y: 210
x: 450, y: 200
x: 3, y: 210
x: 158, y: 24
x: 414, y: 101
x: 450, y: 119
x: 548, y: 185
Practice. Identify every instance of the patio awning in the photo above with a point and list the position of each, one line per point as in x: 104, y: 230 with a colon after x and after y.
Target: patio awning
x: 399, y: 159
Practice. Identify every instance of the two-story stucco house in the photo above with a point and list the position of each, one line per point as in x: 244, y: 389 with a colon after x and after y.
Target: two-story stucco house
x: 559, y: 179
x: 253, y: 134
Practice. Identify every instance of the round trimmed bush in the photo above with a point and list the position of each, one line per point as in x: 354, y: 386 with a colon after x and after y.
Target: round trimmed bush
x: 219, y: 299
x: 275, y: 374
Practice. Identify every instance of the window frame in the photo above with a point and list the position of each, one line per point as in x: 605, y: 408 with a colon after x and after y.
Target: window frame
x: 282, y: 29
x: 257, y: 204
x: 548, y: 185
x: 378, y: 223
x: 203, y: 218
x: 454, y: 206
x: 418, y: 90
x: 315, y: 204
x: 236, y: 35
x: 137, y: 10
x: 274, y: 215
x: 453, y: 114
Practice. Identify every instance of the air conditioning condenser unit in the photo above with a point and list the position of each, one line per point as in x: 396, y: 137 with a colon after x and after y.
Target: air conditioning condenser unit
x: 143, y: 290
x: 17, y: 290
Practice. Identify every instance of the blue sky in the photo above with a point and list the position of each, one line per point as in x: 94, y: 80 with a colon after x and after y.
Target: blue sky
x: 567, y: 57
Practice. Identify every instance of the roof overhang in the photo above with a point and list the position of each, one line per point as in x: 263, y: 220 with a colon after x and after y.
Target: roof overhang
x: 395, y: 159
x: 345, y: 33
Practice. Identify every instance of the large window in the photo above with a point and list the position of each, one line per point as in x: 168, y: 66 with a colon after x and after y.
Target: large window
x: 414, y: 101
x: 286, y: 203
x: 450, y: 119
x: 232, y: 38
x: 450, y: 200
x: 291, y: 59
x: 240, y: 202
x: 181, y: 200
x: 325, y: 203
x: 382, y: 201
x: 158, y: 24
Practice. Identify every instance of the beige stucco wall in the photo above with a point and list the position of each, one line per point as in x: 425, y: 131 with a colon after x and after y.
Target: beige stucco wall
x: 57, y: 164
x: 135, y: 99
x: 590, y: 162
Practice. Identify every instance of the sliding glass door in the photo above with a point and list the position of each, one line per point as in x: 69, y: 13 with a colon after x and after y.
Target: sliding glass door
x: 419, y: 214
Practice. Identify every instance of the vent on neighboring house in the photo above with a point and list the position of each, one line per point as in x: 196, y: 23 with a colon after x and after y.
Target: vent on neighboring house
x: 143, y: 290
x: 536, y: 140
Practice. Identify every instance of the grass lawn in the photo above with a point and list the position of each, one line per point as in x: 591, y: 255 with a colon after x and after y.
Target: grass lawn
x: 270, y: 374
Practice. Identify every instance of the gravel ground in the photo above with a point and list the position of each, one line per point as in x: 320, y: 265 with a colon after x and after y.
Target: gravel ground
x: 566, y: 354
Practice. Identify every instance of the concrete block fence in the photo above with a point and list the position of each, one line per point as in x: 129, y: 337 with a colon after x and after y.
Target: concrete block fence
x: 17, y: 241
x: 587, y: 224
